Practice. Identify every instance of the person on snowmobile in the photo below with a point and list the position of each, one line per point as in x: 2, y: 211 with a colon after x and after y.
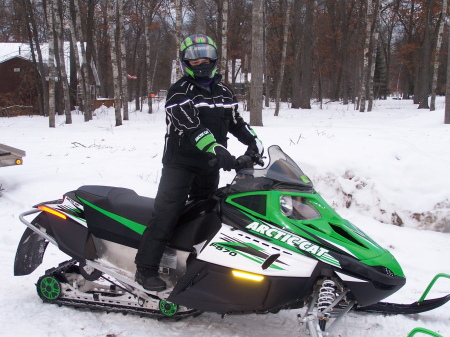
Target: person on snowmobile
x: 200, y: 111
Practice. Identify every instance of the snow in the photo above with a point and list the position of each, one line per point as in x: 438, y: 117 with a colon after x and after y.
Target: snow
x: 376, y: 168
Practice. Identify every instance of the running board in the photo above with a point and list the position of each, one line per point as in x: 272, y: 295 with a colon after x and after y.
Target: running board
x: 404, y: 309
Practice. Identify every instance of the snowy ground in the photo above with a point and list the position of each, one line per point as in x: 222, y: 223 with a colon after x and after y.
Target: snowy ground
x: 388, y: 166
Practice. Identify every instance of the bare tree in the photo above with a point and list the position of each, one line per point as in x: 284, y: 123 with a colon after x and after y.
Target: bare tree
x: 256, y: 65
x: 85, y: 66
x: 436, y: 55
x: 424, y: 81
x: 51, y: 64
x: 283, y: 56
x: 178, y: 27
x: 200, y: 17
x: 73, y: 38
x: 223, y: 62
x: 115, y: 67
x: 60, y: 57
x: 365, y: 70
x: 447, y: 87
x: 372, y: 62
x: 307, y: 57
x: 123, y: 60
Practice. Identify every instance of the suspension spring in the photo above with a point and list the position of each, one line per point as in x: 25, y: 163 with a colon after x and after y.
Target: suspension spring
x: 327, y: 295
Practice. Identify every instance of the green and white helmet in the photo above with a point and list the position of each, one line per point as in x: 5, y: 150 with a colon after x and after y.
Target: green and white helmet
x: 196, y: 47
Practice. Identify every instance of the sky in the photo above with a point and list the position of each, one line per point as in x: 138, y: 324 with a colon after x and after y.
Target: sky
x: 378, y: 169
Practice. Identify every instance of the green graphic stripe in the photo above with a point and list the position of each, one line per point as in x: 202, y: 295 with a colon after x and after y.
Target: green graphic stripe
x: 205, y: 141
x: 134, y: 226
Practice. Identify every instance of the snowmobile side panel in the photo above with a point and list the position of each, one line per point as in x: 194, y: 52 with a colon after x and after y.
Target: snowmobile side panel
x: 211, y: 287
x: 189, y: 234
x: 30, y: 253
x: 72, y: 238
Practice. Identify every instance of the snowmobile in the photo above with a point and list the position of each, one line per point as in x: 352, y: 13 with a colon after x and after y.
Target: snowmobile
x: 267, y: 241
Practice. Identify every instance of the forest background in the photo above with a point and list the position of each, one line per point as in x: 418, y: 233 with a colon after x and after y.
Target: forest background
x: 296, y: 51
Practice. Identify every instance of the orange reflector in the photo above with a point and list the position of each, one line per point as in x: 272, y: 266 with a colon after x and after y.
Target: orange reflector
x: 248, y: 276
x: 18, y: 161
x: 52, y: 211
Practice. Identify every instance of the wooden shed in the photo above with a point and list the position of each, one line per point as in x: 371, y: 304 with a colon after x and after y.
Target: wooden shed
x: 18, y: 93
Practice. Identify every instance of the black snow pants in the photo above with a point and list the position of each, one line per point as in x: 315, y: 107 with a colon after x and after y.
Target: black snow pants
x: 177, y: 184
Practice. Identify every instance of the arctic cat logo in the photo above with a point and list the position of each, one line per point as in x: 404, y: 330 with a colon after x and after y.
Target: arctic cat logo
x: 290, y: 239
x: 201, y: 135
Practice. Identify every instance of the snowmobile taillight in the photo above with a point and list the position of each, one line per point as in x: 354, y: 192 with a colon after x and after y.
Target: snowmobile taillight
x: 248, y: 276
x: 52, y: 211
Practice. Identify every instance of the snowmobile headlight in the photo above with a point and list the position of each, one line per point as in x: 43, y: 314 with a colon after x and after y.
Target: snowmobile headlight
x: 286, y: 205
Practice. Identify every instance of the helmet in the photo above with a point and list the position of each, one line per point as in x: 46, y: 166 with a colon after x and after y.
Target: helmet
x: 198, y: 47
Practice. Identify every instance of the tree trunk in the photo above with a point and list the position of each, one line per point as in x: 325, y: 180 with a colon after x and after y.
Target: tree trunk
x: 424, y: 81
x: 51, y: 65
x: 73, y: 37
x: 246, y: 85
x: 266, y: 61
x: 57, y: 10
x: 33, y: 32
x: 256, y: 65
x: 178, y: 28
x: 85, y: 65
x: 283, y: 56
x: 365, y: 70
x: 447, y: 87
x: 374, y: 56
x: 223, y: 58
x: 123, y: 54
x: 148, y: 45
x: 115, y: 67
x: 307, y: 58
x: 296, y: 41
x: 200, y: 17
x: 436, y: 55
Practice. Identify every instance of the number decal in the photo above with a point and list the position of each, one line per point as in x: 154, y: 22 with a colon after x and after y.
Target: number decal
x: 223, y: 249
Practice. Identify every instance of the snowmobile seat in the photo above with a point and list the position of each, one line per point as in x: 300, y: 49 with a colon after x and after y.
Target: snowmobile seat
x: 104, y: 205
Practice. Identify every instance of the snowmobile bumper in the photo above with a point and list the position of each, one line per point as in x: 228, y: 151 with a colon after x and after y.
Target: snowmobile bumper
x: 32, y: 245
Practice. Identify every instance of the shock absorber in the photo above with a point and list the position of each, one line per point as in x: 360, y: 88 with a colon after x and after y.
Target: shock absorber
x: 326, y: 296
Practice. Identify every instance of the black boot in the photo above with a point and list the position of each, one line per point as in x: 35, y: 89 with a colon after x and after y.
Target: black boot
x: 149, y: 279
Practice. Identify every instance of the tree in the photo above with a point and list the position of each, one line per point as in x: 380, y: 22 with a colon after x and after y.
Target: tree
x: 51, y: 64
x: 256, y: 65
x: 123, y: 60
x: 283, y: 56
x: 73, y: 38
x: 85, y: 81
x: 223, y: 58
x: 114, y: 63
x: 447, y: 87
x: 424, y: 79
x: 436, y: 55
x: 365, y: 70
x: 60, y: 59
x: 307, y: 58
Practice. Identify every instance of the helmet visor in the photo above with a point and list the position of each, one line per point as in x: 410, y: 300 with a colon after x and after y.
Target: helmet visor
x: 200, y: 51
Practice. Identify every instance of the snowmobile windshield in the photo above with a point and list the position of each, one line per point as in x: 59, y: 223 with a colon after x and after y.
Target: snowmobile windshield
x: 281, y: 172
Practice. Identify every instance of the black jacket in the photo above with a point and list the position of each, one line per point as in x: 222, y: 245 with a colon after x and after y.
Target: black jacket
x: 191, y: 111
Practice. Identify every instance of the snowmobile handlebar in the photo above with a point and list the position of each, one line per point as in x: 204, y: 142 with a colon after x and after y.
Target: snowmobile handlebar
x: 245, y: 161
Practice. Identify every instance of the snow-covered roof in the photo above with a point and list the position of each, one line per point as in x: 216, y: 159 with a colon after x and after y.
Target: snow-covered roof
x: 9, y: 50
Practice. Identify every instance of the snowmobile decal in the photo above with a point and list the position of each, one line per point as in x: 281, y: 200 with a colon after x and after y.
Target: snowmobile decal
x: 293, y: 241
x: 248, y: 250
x: 134, y: 226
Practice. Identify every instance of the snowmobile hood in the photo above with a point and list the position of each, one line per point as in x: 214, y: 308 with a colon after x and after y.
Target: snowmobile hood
x: 280, y: 204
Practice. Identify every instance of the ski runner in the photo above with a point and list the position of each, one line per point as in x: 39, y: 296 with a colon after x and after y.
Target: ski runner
x: 200, y: 111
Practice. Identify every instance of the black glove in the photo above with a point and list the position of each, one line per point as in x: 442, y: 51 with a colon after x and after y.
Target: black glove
x: 255, y: 147
x: 224, y: 158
